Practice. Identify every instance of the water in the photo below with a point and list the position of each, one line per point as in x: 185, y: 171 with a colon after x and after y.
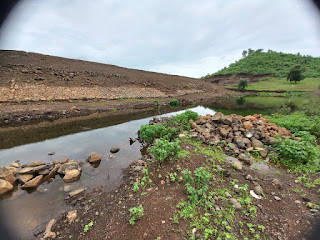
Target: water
x: 23, y: 211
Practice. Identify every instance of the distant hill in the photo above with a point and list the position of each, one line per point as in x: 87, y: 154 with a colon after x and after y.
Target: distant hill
x: 271, y: 62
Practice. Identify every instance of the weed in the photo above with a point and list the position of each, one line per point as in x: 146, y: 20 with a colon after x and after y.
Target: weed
x: 136, y: 213
x: 87, y: 227
x: 174, y: 103
x: 163, y: 149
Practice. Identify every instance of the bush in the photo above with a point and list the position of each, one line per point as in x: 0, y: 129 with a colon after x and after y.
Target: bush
x: 174, y: 103
x: 243, y: 84
x: 136, y: 213
x: 163, y: 149
x: 183, y: 119
x: 150, y: 132
x: 294, y: 153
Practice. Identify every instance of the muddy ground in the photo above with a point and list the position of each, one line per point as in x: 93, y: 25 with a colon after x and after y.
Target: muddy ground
x: 288, y: 218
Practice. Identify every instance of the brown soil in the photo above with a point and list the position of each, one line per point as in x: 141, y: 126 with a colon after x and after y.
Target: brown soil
x: 109, y: 211
x: 232, y: 79
x: 40, y: 87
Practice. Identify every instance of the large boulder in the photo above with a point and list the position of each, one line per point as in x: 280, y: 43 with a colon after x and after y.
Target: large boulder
x: 5, y: 186
x: 33, y: 183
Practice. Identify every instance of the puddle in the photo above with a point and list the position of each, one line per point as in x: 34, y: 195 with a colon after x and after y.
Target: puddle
x: 24, y: 211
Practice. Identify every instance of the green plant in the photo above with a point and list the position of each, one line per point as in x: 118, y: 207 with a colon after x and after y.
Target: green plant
x: 156, y: 101
x: 183, y: 119
x: 295, y: 74
x: 173, y: 176
x: 87, y: 227
x: 174, y: 103
x: 136, y: 213
x: 149, y: 132
x: 164, y: 149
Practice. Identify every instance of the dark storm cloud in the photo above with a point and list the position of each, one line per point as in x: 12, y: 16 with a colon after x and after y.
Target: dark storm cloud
x: 188, y: 38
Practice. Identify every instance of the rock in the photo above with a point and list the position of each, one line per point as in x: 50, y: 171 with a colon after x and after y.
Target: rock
x: 15, y: 164
x: 250, y: 149
x: 33, y: 183
x: 44, y: 172
x: 248, y: 125
x: 51, y: 153
x: 306, y: 199
x: 32, y: 169
x: 95, y: 158
x: 249, y: 177
x: 226, y: 120
x: 256, y: 144
x: 36, y: 164
x: 25, y: 178
x: 47, y: 233
x: 297, y: 201
x: 253, y: 194
x: 76, y: 192
x: 276, y: 183
x: 138, y: 168
x: 10, y: 178
x: 5, y: 186
x: 263, y: 152
x: 182, y: 136
x: 223, y: 132
x: 68, y: 166
x: 7, y: 170
x: 71, y: 216
x: 228, y: 194
x: 207, y: 136
x: 132, y: 140
x: 56, y: 161
x: 237, y: 165
x: 240, y: 143
x: 114, y: 149
x: 258, y: 189
x: 235, y: 203
x: 296, y: 181
x: 314, y: 210
x: 71, y: 175
x: 244, y: 158
x: 64, y: 160
x: 248, y: 134
x: 54, y: 170
x: 111, y: 156
x: 277, y: 198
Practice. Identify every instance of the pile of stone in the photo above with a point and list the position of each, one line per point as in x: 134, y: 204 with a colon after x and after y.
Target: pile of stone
x: 237, y: 134
x: 32, y: 175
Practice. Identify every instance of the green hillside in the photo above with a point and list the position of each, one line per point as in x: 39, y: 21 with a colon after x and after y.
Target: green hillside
x: 271, y: 62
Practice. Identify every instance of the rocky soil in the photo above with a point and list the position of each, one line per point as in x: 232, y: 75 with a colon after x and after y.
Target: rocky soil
x: 285, y: 207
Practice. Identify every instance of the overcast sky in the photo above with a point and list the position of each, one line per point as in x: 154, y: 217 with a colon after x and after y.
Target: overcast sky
x: 190, y: 38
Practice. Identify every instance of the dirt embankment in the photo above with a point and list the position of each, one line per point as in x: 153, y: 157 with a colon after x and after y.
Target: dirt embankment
x: 36, y: 86
x: 232, y: 79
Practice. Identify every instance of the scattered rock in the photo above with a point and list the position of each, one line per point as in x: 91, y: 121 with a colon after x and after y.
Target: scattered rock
x: 235, y: 203
x: 114, y: 149
x: 48, y: 234
x: 296, y: 181
x: 277, y: 198
x: 228, y: 194
x: 71, y: 175
x: 314, y: 210
x: 76, y: 192
x: 5, y: 186
x: 64, y: 160
x: 15, y: 164
x: 297, y: 201
x: 33, y: 183
x: 25, y: 178
x: 276, y: 183
x: 253, y: 194
x: 95, y: 158
x: 256, y: 144
x: 258, y: 189
x: 71, y: 216
x: 237, y: 165
x: 263, y: 152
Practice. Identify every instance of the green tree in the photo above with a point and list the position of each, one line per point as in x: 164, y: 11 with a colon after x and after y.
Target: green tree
x: 244, y: 53
x: 295, y: 74
x: 243, y: 84
x: 250, y: 51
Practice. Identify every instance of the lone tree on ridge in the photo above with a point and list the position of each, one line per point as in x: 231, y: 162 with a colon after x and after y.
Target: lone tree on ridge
x: 295, y: 74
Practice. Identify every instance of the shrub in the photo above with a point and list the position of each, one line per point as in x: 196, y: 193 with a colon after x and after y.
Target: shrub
x: 149, y: 132
x: 243, y: 84
x: 174, y: 103
x: 163, y: 149
x: 136, y: 213
x: 294, y: 153
x: 156, y: 101
x: 183, y: 119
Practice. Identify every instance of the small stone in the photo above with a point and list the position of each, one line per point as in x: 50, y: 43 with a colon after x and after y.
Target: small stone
x: 306, y: 199
x: 71, y: 216
x: 249, y: 177
x: 25, y: 178
x: 248, y: 125
x: 64, y: 160
x: 55, y: 161
x: 182, y: 136
x: 256, y: 144
x: 15, y: 164
x: 263, y: 152
x: 314, y: 210
x: 277, y: 198
x: 217, y: 208
x: 163, y: 222
x: 36, y: 164
x: 76, y: 192
x: 114, y: 149
x: 95, y: 158
x: 250, y: 149
x: 297, y: 201
x: 51, y: 153
x: 296, y: 181
x: 71, y: 175
x: 258, y: 189
x: 162, y: 181
x: 10, y: 178
x: 237, y: 165
x: 276, y: 183
x: 111, y: 156
x: 228, y: 194
x: 48, y: 234
x: 235, y: 203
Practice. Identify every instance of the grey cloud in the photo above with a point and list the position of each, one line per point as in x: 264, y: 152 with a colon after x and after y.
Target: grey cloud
x: 188, y: 38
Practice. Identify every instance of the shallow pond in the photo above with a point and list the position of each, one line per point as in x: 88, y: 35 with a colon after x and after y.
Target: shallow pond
x: 23, y: 211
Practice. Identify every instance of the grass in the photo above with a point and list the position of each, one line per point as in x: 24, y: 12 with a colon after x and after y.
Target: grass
x: 281, y: 84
